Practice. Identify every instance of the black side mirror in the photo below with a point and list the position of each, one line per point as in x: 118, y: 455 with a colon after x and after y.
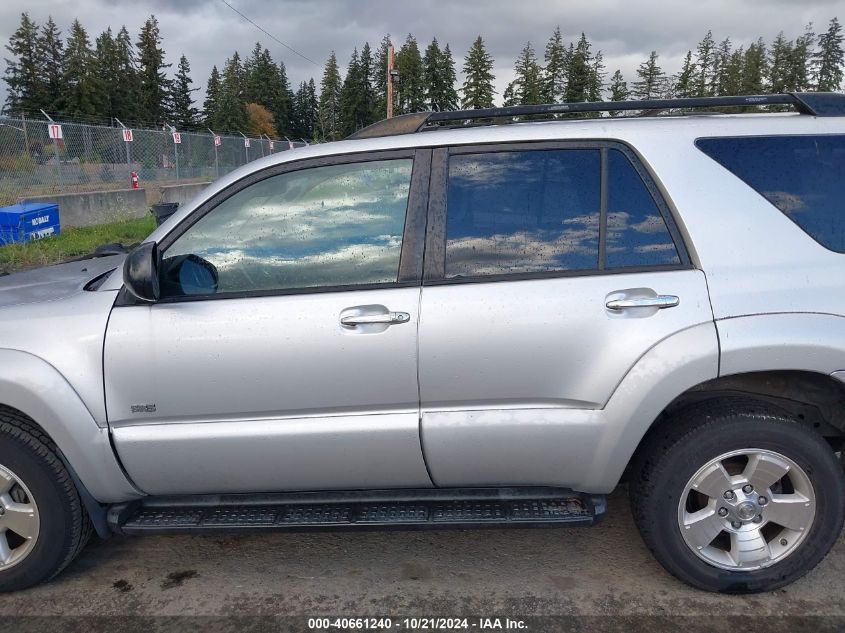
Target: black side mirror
x: 140, y: 272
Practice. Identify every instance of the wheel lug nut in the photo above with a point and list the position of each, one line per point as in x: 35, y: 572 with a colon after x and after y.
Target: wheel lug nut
x: 784, y: 542
x: 758, y: 518
x: 747, y: 488
x: 736, y: 525
x: 723, y: 512
x: 762, y: 501
x: 2, y: 511
x: 729, y: 494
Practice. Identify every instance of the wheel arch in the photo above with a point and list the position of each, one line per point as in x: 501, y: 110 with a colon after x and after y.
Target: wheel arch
x: 33, y: 387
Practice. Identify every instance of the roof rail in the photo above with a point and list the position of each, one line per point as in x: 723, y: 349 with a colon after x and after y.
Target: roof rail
x: 821, y: 104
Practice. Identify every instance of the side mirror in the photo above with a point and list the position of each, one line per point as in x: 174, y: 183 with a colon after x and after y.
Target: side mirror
x: 140, y: 272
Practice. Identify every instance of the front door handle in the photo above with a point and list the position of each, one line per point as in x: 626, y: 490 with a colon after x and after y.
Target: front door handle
x: 660, y: 302
x: 389, y: 318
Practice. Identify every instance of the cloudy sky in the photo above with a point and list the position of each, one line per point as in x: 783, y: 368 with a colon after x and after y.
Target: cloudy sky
x: 207, y: 31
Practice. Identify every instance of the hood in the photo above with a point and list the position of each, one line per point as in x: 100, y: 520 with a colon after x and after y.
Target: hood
x: 53, y: 282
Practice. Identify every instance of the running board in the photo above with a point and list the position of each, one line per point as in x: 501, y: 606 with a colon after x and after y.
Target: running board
x: 374, y: 510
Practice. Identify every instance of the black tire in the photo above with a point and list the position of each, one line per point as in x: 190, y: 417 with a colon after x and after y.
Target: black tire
x: 680, y: 446
x: 65, y: 527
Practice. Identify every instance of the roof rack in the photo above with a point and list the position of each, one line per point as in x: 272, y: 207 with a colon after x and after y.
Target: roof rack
x: 814, y: 103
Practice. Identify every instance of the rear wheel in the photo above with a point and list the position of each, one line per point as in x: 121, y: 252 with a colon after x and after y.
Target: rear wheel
x: 43, y: 525
x: 736, y: 501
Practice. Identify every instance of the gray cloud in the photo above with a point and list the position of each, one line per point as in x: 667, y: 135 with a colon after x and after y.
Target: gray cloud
x: 208, y: 32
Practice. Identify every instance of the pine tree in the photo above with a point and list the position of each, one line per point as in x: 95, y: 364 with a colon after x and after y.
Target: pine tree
x: 282, y: 106
x: 312, y: 109
x: 305, y: 111
x: 754, y: 69
x: 652, y: 82
x: 780, y: 59
x: 619, y: 87
x: 126, y: 89
x: 527, y: 87
x: 81, y: 95
x: 478, y: 88
x: 720, y: 65
x: 378, y: 79
x: 367, y: 94
x: 266, y: 84
x: 556, y: 69
x: 800, y: 63
x: 733, y: 73
x: 185, y: 115
x: 212, y: 96
x: 353, y: 114
x: 329, y: 112
x: 50, y: 52
x: 596, y: 84
x: 828, y: 59
x: 412, y: 92
x: 231, y: 109
x: 154, y: 87
x: 23, y: 72
x: 580, y: 77
x: 705, y: 61
x: 431, y: 70
x: 105, y: 68
x: 684, y: 81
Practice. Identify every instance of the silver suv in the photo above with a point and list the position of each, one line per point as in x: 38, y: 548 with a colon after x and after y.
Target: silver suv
x: 437, y: 324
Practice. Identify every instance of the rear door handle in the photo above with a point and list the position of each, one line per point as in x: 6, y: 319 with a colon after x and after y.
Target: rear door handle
x: 660, y: 302
x: 390, y: 318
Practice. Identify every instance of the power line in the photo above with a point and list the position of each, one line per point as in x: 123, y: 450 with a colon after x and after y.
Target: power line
x: 270, y: 35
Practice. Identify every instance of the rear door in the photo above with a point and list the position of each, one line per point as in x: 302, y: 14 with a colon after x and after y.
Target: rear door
x: 283, y: 353
x: 550, y: 270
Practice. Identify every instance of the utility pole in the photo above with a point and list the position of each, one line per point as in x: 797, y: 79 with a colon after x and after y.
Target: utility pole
x: 390, y: 75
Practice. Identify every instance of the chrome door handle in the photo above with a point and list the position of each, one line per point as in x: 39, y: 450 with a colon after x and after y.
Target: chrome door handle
x: 660, y: 302
x: 374, y: 319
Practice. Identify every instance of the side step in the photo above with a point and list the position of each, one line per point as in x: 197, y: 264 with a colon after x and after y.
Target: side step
x: 409, y: 509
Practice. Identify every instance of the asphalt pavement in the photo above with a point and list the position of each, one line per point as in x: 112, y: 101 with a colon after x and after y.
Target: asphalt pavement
x: 604, y: 571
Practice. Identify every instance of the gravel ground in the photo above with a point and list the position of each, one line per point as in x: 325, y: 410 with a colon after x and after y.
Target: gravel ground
x: 601, y: 571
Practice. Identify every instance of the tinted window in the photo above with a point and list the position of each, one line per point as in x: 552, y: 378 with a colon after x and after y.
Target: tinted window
x: 327, y: 226
x: 523, y: 212
x: 803, y: 176
x: 636, y: 232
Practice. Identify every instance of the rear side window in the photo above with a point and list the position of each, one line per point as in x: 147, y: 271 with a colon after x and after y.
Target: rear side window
x: 636, y: 232
x: 803, y: 176
x: 523, y: 212
x: 540, y: 211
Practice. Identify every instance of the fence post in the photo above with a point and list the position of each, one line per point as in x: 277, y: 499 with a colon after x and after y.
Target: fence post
x: 56, y: 151
x: 246, y: 146
x: 175, y: 149
x: 214, y: 144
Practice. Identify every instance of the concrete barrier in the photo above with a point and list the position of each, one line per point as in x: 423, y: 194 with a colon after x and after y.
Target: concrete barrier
x: 97, y: 207
x: 180, y: 193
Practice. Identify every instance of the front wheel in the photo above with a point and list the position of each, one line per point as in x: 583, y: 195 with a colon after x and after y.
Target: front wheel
x: 738, y: 502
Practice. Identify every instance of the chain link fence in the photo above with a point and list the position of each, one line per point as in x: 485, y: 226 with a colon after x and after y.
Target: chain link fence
x: 37, y: 158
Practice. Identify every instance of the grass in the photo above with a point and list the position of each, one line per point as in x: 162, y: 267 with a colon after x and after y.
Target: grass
x: 72, y: 242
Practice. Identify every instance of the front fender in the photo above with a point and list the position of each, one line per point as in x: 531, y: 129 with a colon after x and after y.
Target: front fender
x: 34, y: 387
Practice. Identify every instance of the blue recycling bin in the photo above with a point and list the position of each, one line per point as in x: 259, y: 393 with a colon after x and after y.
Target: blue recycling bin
x: 28, y: 221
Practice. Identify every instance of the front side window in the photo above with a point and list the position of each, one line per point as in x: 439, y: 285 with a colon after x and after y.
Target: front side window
x: 803, y: 176
x: 523, y: 212
x: 339, y: 225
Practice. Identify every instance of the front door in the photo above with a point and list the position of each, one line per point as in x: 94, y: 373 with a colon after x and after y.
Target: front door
x: 283, y: 353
